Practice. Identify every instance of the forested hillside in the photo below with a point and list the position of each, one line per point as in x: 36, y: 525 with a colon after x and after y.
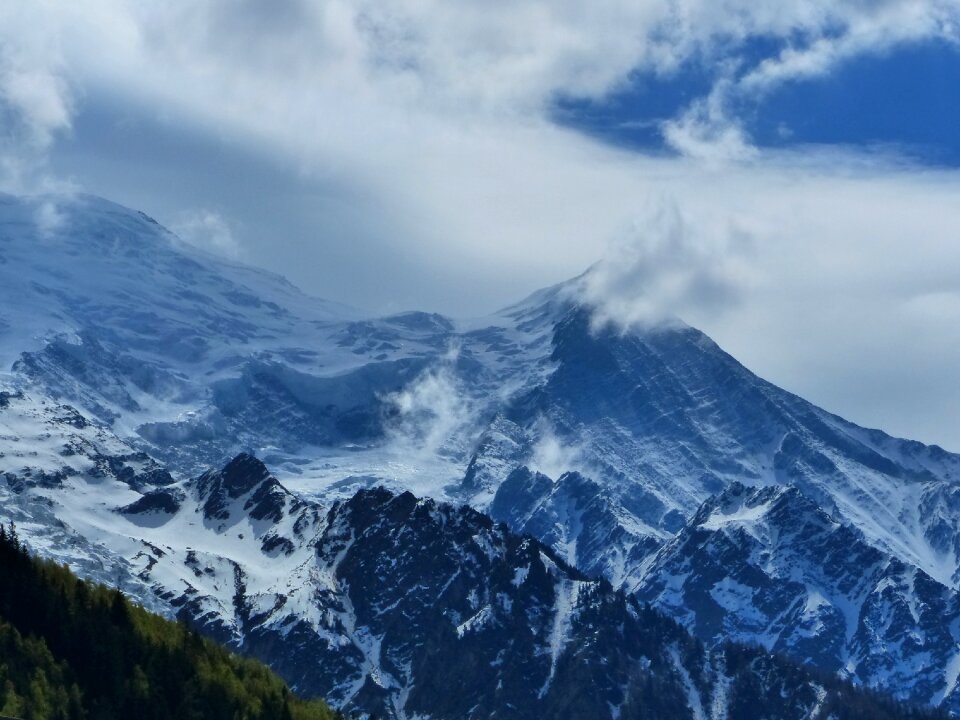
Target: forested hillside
x: 72, y: 650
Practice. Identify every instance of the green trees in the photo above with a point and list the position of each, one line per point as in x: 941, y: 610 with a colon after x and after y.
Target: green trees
x: 72, y: 650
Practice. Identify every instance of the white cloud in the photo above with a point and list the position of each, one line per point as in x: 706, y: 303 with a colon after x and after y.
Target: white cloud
x: 552, y: 456
x: 208, y: 230
x: 430, y: 412
x: 830, y: 35
x: 708, y: 132
x: 875, y: 31
x: 49, y: 218
x: 35, y: 100
x: 301, y: 75
x: 669, y: 266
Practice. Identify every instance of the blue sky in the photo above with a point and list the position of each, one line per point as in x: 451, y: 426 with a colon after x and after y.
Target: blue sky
x: 784, y: 175
x: 902, y: 100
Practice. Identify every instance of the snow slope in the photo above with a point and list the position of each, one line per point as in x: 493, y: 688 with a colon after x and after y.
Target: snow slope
x: 380, y: 603
x: 194, y: 358
x: 769, y: 567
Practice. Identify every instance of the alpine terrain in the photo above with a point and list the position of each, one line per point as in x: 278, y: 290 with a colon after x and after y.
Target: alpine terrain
x: 555, y: 517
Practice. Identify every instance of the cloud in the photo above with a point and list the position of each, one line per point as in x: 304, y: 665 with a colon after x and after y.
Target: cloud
x: 428, y: 106
x: 48, y: 217
x: 208, y: 230
x: 554, y: 456
x: 668, y: 266
x: 431, y: 412
x: 35, y: 102
x: 321, y: 66
x: 824, y: 38
x: 852, y: 275
x: 708, y: 131
x: 878, y: 30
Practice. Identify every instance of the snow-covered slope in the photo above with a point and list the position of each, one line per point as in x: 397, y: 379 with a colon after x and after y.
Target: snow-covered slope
x: 663, y: 419
x: 602, y: 443
x: 380, y: 603
x: 194, y: 358
x: 768, y: 567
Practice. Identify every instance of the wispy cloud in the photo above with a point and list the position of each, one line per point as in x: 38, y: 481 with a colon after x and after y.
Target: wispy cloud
x: 554, y: 456
x: 208, y: 230
x: 819, y: 39
x: 668, y: 266
x: 432, y: 413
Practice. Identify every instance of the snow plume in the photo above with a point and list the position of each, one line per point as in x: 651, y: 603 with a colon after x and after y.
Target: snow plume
x: 433, y: 412
x: 552, y: 455
x: 49, y: 217
x: 210, y: 231
x: 666, y: 267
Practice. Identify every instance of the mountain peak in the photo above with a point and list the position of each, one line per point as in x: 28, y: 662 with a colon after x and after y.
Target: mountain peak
x: 739, y: 503
x: 243, y: 477
x: 243, y: 474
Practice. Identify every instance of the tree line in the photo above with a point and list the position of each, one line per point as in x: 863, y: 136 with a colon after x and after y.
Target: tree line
x: 76, y: 650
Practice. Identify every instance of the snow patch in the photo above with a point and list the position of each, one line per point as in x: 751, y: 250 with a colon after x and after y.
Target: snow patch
x: 567, y: 594
x: 694, y: 703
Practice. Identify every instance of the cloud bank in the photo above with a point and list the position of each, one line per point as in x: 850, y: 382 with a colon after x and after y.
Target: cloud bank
x: 302, y: 76
x: 421, y: 164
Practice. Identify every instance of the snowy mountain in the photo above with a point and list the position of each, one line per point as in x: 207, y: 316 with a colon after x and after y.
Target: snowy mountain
x: 622, y: 451
x: 769, y: 567
x: 194, y: 358
x: 383, y: 602
x: 662, y: 420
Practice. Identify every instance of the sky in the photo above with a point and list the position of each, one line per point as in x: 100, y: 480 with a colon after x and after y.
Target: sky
x: 785, y: 176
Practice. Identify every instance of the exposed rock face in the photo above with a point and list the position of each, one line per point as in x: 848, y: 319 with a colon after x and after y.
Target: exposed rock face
x: 815, y: 590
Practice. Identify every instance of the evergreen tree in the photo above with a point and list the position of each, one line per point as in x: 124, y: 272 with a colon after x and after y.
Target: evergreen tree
x: 73, y: 650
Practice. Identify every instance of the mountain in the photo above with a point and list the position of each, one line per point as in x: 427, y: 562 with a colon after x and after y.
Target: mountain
x: 136, y: 362
x: 385, y: 602
x: 663, y: 419
x: 72, y: 649
x: 815, y: 590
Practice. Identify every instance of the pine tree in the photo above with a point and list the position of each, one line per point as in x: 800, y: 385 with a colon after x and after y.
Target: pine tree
x: 71, y: 650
